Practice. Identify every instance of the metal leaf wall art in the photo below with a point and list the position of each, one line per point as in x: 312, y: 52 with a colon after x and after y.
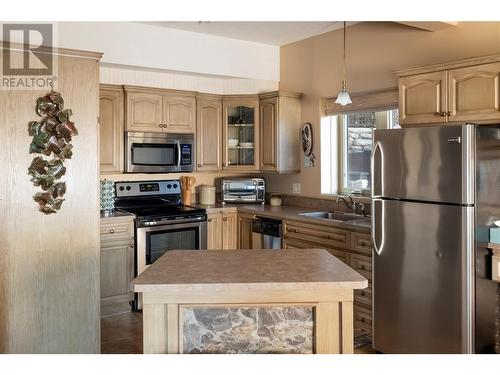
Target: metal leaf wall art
x: 51, y: 138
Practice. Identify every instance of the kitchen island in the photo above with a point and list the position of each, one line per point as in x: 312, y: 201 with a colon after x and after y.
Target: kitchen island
x: 248, y: 301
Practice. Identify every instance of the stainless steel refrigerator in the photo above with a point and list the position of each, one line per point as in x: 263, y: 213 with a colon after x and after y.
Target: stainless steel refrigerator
x: 436, y: 192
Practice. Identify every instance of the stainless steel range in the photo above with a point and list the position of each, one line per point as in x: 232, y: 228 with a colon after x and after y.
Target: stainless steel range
x: 162, y: 223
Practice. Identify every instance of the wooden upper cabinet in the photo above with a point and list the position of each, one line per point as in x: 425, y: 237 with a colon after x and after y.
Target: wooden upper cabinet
x: 422, y: 99
x: 268, y: 137
x: 157, y: 111
x: 280, y: 132
x: 209, y: 135
x: 473, y: 93
x: 455, y: 92
x: 144, y: 112
x: 179, y: 113
x: 111, y: 128
x: 241, y: 133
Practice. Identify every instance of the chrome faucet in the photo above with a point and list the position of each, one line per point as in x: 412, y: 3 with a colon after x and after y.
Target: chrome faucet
x: 356, y: 207
x: 344, y: 198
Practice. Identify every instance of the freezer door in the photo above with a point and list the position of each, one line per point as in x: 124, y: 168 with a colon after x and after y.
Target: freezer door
x: 422, y: 270
x: 431, y: 163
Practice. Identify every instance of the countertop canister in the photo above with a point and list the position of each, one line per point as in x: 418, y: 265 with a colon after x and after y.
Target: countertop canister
x: 207, y: 194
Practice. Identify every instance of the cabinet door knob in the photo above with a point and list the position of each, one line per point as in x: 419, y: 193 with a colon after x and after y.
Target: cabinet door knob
x: 132, y: 245
x: 225, y: 219
x: 111, y: 231
x: 448, y: 113
x: 442, y: 114
x: 199, y: 165
x: 160, y: 125
x: 209, y: 220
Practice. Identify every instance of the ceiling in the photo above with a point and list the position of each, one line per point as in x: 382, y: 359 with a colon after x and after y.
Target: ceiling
x: 273, y: 33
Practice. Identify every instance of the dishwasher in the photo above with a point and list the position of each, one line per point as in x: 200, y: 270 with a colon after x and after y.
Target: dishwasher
x: 266, y: 233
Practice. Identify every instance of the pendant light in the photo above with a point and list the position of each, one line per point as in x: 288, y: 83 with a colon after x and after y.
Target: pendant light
x: 343, y: 97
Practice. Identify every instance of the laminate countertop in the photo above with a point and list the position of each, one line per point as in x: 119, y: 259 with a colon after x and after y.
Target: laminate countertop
x: 244, y: 270
x: 287, y: 213
x: 116, y: 213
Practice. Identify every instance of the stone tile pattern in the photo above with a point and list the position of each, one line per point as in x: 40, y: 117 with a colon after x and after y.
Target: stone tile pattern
x: 272, y: 329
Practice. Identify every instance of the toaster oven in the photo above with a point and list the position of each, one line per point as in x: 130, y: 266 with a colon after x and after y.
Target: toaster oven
x: 243, y: 190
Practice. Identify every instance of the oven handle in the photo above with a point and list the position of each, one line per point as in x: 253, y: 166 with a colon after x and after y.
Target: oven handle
x: 178, y: 154
x: 153, y: 228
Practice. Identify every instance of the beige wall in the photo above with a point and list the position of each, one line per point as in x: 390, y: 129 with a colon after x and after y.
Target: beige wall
x: 49, y: 264
x: 374, y: 49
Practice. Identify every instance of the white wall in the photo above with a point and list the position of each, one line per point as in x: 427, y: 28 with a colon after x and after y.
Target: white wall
x: 118, y: 75
x: 146, y: 46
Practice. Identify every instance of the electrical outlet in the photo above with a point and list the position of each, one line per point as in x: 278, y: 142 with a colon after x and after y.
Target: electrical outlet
x: 296, y: 188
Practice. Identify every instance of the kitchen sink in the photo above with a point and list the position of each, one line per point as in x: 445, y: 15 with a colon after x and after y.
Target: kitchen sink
x: 342, y: 216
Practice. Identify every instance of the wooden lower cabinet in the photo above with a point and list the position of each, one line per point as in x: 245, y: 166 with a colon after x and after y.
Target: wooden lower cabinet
x: 362, y: 320
x: 214, y: 231
x: 117, y: 263
x: 245, y: 231
x: 222, y: 231
x: 229, y: 231
x: 341, y: 254
x: 353, y: 248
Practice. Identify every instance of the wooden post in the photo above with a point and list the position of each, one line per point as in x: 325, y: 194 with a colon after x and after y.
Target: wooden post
x: 327, y: 327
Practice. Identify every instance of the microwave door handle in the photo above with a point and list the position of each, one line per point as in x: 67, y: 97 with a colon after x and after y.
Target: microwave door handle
x: 178, y: 154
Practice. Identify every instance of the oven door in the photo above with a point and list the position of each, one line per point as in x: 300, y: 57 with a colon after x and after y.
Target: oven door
x: 151, y: 153
x: 154, y: 241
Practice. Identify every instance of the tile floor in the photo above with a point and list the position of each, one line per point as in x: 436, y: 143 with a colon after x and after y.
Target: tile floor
x: 122, y: 334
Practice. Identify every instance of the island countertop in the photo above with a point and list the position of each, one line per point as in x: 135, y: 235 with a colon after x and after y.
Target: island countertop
x: 184, y: 270
x: 248, y: 301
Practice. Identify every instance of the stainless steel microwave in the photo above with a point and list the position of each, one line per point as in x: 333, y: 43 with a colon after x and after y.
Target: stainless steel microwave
x: 159, y: 152
x: 243, y: 190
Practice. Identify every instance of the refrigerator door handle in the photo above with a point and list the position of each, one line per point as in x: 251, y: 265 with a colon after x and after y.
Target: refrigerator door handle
x: 376, y: 181
x: 375, y: 218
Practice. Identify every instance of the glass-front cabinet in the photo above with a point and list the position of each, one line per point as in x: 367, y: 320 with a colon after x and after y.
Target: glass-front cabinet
x: 241, y: 134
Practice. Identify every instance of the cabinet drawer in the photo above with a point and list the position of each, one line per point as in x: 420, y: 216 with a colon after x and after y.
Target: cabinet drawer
x: 331, y: 237
x: 115, y: 230
x: 361, y: 242
x: 296, y: 244
x: 362, y: 320
x: 364, y: 296
x: 362, y: 264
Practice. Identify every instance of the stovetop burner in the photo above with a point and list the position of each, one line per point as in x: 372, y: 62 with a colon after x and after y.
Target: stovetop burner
x: 163, y: 211
x: 154, y: 201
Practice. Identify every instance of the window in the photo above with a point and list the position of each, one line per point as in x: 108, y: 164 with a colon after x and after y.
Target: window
x: 346, y: 145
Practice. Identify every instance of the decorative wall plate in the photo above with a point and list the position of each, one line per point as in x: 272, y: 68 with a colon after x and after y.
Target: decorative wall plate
x: 307, y: 139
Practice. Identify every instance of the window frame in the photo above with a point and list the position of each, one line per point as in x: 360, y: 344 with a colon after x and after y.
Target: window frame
x: 336, y: 149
